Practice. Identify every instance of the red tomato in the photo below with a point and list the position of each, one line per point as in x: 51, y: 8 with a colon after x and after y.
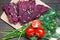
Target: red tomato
x: 39, y: 32
x: 36, y: 24
x: 29, y: 31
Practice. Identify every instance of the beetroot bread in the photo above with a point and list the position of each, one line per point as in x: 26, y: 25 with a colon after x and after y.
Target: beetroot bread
x: 10, y: 10
x: 24, y: 12
x: 28, y: 11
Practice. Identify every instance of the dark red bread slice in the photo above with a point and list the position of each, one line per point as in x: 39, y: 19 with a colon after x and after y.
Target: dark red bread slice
x: 29, y: 11
x: 10, y: 10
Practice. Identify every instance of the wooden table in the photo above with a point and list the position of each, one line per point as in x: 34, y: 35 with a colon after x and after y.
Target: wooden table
x: 4, y: 26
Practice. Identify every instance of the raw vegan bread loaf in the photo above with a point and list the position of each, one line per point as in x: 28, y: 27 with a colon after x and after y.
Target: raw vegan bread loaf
x: 28, y: 11
x: 11, y: 12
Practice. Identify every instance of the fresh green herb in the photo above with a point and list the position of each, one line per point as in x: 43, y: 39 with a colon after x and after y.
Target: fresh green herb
x: 16, y: 33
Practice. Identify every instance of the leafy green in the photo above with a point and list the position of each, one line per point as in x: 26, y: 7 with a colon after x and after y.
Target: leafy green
x: 11, y: 35
x: 56, y: 35
x: 49, y: 22
x: 16, y: 33
x: 33, y: 38
x: 7, y: 31
x: 23, y: 29
x: 58, y: 15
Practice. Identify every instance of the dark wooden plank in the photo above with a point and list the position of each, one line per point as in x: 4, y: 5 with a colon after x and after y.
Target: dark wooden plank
x: 4, y: 1
x: 58, y: 7
x: 51, y: 1
x: 51, y: 5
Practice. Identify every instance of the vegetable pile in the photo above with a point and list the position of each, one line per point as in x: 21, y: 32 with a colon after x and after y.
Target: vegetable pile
x: 35, y: 30
x: 42, y: 28
x: 24, y: 11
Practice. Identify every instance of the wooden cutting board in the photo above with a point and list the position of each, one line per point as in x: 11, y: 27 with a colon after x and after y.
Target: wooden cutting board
x: 18, y: 25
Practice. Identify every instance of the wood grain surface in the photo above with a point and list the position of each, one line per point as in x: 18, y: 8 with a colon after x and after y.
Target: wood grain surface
x: 5, y: 26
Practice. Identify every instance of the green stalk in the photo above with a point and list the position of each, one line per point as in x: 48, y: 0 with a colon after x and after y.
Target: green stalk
x: 33, y: 38
x: 11, y: 35
x: 23, y: 29
x: 16, y: 33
